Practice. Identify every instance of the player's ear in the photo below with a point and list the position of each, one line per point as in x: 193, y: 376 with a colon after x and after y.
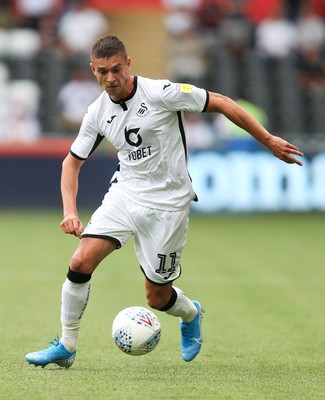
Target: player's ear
x: 92, y: 68
x: 128, y: 62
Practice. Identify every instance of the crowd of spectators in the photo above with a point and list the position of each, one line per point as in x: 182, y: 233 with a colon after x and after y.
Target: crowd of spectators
x: 34, y: 34
x: 203, y: 34
x: 199, y: 33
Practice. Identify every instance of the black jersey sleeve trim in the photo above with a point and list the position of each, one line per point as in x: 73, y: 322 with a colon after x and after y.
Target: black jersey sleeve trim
x: 77, y: 157
x: 96, y: 144
x: 182, y: 132
x: 206, y: 102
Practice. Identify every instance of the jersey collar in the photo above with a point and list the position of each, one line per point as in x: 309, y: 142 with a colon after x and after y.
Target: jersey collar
x: 122, y: 102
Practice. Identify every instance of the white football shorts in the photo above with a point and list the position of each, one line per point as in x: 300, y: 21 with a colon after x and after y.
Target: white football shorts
x: 159, y: 235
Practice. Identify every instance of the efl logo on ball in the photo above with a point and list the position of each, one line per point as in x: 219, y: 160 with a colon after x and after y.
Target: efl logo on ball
x: 136, y: 331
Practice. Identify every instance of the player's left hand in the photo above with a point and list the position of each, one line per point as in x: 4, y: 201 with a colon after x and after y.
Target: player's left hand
x: 283, y: 150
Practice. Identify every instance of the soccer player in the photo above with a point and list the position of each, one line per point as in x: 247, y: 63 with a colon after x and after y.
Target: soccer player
x: 150, y: 193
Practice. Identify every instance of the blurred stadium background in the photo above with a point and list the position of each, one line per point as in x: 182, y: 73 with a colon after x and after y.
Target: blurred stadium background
x: 267, y: 55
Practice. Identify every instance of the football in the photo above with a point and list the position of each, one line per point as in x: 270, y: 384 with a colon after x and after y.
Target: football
x: 136, y: 331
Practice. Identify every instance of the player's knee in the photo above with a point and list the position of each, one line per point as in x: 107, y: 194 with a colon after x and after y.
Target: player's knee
x: 79, y: 264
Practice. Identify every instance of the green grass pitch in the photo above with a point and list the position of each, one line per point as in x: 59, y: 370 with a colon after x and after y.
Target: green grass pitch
x: 261, y: 279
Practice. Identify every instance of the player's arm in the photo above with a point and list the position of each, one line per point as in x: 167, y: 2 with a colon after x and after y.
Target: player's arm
x: 69, y: 189
x: 230, y: 109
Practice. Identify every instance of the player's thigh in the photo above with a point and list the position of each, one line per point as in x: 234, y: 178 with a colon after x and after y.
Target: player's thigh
x: 90, y: 252
x: 159, y: 242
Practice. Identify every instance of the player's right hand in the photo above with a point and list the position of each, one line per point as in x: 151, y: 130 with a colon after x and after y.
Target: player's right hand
x: 72, y: 225
x: 283, y: 150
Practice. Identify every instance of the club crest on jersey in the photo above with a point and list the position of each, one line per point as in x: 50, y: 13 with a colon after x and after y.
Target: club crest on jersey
x: 184, y: 87
x: 143, y: 110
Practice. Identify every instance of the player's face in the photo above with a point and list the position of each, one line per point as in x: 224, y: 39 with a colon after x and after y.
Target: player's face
x: 113, y: 75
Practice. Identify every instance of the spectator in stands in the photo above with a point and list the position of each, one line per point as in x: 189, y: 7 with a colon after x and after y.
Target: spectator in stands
x: 20, y: 116
x: 311, y: 40
x: 180, y: 15
x: 48, y: 32
x: 74, y: 98
x: 28, y: 13
x: 311, y: 29
x: 276, y: 37
x: 79, y: 27
x: 236, y: 30
x: 185, y: 49
x: 209, y: 16
x: 311, y: 71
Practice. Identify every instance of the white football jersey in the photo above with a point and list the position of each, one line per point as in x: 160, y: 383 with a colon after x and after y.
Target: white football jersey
x: 147, y: 130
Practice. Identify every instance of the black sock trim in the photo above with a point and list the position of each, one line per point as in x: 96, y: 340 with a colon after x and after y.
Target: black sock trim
x: 171, y: 301
x: 78, y: 277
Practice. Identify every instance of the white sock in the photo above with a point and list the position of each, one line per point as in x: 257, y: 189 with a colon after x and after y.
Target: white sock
x: 183, y: 307
x: 74, y: 299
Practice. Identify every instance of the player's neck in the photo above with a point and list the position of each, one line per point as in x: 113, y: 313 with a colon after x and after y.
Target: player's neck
x: 128, y: 89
